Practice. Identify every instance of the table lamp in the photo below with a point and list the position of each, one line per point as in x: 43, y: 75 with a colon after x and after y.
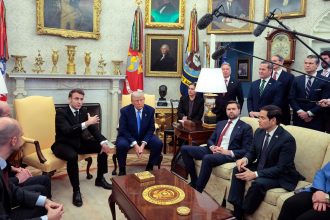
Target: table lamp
x: 210, y: 81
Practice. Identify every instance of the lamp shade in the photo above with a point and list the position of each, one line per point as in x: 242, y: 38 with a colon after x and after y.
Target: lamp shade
x: 3, y: 87
x: 211, y: 80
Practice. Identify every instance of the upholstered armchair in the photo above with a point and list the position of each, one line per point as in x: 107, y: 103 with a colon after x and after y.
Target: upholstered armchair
x: 126, y: 100
x: 36, y: 115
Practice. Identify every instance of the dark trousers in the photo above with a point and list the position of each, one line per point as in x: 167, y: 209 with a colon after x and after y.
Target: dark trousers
x: 21, y: 212
x: 254, y: 196
x: 70, y: 154
x: 209, y: 160
x: 41, y: 184
x: 300, y: 207
x: 122, y: 146
x: 286, y: 115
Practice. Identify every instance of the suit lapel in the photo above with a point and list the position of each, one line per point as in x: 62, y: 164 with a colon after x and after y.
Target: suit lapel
x: 274, y: 139
x: 234, y: 132
x: 268, y: 87
x: 221, y: 127
x: 70, y: 115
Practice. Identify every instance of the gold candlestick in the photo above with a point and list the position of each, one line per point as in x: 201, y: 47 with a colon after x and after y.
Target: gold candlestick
x: 71, y: 66
x: 38, y: 63
x: 100, y: 67
x: 55, y: 57
x: 87, y: 62
x: 18, y: 66
x: 116, y: 68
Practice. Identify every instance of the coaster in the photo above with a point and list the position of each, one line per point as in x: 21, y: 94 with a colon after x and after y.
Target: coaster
x: 183, y: 210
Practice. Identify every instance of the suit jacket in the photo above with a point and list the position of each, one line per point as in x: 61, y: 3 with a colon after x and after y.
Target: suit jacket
x: 14, y: 193
x: 68, y: 130
x: 128, y: 124
x: 240, y: 138
x: 280, y: 157
x: 272, y: 95
x: 286, y: 79
x: 197, y: 110
x: 234, y: 92
x: 322, y: 179
x: 298, y: 100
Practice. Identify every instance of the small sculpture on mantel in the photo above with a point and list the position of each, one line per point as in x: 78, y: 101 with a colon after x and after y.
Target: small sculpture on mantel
x: 18, y: 66
x: 100, y: 67
x: 55, y: 57
x: 87, y: 62
x: 39, y: 61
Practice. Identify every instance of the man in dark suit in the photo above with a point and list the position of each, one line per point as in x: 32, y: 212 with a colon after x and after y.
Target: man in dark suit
x: 165, y: 62
x: 273, y: 149
x: 234, y: 92
x: 22, y: 177
x: 305, y: 91
x: 286, y: 79
x: 191, y: 107
x: 229, y: 142
x: 31, y: 205
x: 232, y: 7
x: 71, y: 123
x: 264, y: 91
x: 136, y: 129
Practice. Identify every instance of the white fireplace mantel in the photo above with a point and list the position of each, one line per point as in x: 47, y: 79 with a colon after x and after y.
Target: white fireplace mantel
x: 103, y: 89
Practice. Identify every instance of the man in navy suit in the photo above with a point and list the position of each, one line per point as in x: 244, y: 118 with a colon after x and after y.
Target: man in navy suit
x: 229, y: 142
x: 305, y: 91
x: 313, y: 202
x: 269, y: 162
x: 286, y: 79
x: 264, y: 91
x: 325, y: 71
x: 234, y: 92
x: 136, y: 129
x: 32, y: 205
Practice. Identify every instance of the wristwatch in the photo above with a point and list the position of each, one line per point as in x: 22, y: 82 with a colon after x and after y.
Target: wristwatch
x: 327, y: 197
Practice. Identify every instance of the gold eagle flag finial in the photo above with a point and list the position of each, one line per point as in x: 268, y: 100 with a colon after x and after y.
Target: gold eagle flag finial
x: 138, y: 2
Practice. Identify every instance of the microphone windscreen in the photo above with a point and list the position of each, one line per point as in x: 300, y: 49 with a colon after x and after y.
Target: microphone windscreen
x: 260, y: 28
x: 204, y: 21
x: 218, y: 53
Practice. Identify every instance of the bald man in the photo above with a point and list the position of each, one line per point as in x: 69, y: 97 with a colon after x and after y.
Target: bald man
x: 4, y: 109
x: 31, y: 205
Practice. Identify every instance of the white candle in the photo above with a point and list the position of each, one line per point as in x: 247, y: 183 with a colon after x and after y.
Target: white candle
x: 212, y: 49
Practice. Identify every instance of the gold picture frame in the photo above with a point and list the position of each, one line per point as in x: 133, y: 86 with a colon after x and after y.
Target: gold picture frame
x: 161, y: 61
x: 287, y: 9
x: 71, y: 19
x: 239, y: 8
x: 164, y: 16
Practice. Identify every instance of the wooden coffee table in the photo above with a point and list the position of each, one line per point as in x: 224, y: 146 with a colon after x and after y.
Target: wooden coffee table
x: 127, y: 193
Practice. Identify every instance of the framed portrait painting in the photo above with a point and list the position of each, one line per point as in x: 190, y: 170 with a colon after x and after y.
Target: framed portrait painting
x: 243, y: 70
x: 286, y: 8
x: 164, y: 14
x: 69, y: 18
x: 164, y: 55
x: 239, y: 8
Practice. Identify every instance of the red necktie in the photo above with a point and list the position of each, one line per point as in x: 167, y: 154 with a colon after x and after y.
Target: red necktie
x: 274, y: 75
x: 226, y: 81
x: 223, y: 133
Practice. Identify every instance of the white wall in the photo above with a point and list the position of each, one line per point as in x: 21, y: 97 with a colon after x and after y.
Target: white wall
x: 116, y: 22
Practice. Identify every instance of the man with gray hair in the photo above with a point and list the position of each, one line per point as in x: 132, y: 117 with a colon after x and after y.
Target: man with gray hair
x: 31, y: 205
x: 165, y: 62
x: 264, y: 91
x: 136, y: 130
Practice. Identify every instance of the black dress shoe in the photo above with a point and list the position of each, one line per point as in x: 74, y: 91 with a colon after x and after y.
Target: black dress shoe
x: 76, y: 199
x: 102, y: 183
x: 122, y: 171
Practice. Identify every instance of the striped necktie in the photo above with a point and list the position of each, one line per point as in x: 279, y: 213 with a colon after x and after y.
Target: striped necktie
x: 308, y: 86
x: 262, y: 87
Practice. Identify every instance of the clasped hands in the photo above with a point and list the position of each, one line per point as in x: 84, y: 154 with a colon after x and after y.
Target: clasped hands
x: 139, y: 149
x: 220, y: 150
x: 320, y: 203
x: 54, y: 210
x: 245, y: 173
x: 304, y: 116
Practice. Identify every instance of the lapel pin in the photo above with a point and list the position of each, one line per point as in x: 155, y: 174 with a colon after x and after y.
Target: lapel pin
x: 276, y: 136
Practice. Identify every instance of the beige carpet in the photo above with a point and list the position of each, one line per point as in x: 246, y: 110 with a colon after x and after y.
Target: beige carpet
x: 95, y: 199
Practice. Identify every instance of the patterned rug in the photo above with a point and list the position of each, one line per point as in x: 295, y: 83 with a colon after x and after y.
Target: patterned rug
x: 134, y: 164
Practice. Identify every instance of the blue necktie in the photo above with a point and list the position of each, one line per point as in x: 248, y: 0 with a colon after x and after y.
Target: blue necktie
x: 138, y: 120
x: 308, y: 86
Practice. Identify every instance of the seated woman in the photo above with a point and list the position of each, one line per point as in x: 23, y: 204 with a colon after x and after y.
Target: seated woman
x: 191, y: 107
x: 312, y: 203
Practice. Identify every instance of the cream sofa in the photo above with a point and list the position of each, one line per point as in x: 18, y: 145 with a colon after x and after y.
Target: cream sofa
x: 313, y: 151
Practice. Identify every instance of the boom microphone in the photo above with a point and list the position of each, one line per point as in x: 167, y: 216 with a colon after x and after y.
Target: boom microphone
x: 219, y: 52
x: 208, y: 18
x: 261, y: 27
x: 204, y: 21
